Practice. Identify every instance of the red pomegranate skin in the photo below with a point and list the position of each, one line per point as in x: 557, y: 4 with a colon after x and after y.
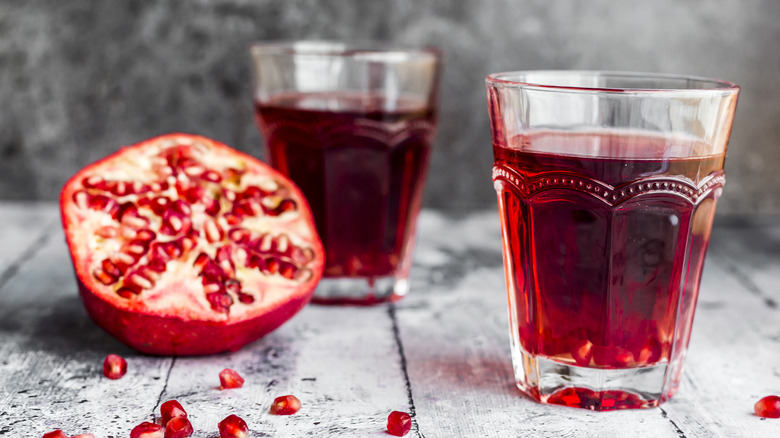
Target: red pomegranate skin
x: 191, y: 331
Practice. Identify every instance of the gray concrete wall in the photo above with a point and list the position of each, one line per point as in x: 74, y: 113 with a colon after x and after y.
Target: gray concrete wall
x: 79, y: 78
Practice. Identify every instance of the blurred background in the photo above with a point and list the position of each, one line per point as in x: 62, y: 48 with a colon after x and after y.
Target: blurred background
x: 80, y: 78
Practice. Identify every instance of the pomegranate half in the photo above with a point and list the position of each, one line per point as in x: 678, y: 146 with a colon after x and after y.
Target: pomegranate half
x: 184, y: 246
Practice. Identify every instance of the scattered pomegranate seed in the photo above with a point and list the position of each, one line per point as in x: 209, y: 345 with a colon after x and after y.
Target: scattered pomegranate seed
x: 178, y: 427
x: 285, y: 405
x: 230, y: 379
x: 399, y: 423
x: 56, y: 434
x: 147, y: 430
x: 83, y: 435
x: 170, y: 410
x: 768, y: 407
x: 582, y: 352
x: 114, y: 367
x: 233, y: 427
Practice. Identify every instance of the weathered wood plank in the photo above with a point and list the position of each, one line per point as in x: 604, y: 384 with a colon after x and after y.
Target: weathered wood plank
x: 460, y: 369
x: 342, y: 362
x: 22, y: 224
x: 51, y: 357
x: 734, y: 357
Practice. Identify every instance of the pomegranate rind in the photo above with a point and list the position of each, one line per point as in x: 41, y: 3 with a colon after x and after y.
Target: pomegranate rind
x: 184, y: 325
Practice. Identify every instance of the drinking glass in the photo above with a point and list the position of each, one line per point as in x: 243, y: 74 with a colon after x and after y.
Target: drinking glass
x: 607, y: 185
x: 352, y: 125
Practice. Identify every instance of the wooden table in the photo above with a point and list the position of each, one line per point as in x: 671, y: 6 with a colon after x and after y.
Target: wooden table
x: 441, y: 353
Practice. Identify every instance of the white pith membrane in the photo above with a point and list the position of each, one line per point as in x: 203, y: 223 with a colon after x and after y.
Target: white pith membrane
x: 179, y: 289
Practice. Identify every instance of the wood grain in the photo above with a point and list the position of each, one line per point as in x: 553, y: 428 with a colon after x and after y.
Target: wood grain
x: 460, y: 371
x: 441, y: 353
x: 342, y: 363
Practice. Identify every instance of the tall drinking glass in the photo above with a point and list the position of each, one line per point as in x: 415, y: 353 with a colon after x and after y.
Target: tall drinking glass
x: 352, y: 125
x: 607, y: 185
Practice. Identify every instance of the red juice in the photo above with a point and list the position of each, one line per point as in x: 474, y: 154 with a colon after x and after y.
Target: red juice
x: 604, y: 242
x: 361, y: 160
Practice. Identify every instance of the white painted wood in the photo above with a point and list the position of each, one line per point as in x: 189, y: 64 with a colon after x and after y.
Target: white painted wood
x: 460, y: 371
x: 344, y: 362
x: 341, y: 362
x: 22, y: 224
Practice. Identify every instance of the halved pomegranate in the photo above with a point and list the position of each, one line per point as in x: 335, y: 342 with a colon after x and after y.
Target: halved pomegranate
x: 184, y: 246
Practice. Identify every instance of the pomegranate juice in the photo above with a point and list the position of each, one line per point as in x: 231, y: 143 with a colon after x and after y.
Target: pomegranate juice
x: 361, y: 162
x: 604, y: 240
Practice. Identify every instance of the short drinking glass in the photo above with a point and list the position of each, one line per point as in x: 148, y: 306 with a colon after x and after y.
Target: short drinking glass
x: 352, y: 126
x: 607, y: 185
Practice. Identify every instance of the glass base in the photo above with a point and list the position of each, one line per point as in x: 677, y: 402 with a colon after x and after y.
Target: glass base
x: 598, y: 389
x: 360, y: 291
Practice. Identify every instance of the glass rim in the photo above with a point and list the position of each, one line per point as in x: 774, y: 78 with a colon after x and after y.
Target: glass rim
x: 377, y: 51
x: 504, y: 80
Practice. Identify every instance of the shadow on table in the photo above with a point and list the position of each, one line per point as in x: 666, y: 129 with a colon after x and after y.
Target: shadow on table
x: 61, y: 327
x: 473, y: 375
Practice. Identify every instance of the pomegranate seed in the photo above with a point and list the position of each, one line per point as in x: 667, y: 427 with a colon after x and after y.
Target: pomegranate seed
x: 285, y: 405
x: 181, y: 207
x: 147, y: 430
x: 271, y: 265
x: 136, y: 280
x: 212, y: 230
x: 220, y: 301
x: 768, y: 407
x: 287, y: 270
x: 230, y: 379
x: 254, y: 192
x: 265, y: 243
x: 225, y: 261
x: 303, y: 275
x: 104, y: 277
x: 179, y: 427
x: 92, y: 182
x: 55, y: 434
x: 233, y: 286
x: 114, y: 366
x: 170, y: 410
x: 612, y: 356
x: 212, y: 206
x: 194, y: 170
x: 233, y: 427
x: 211, y: 176
x: 201, y: 261
x: 145, y: 235
x: 239, y: 235
x: 283, y: 207
x: 399, y: 423
x: 110, y: 268
x: 582, y: 352
x: 245, y: 298
x: 107, y: 232
x: 83, y: 435
x: 649, y: 353
x: 127, y: 292
x: 301, y: 255
x: 130, y: 217
x: 282, y: 244
x: 233, y: 218
x: 159, y: 205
